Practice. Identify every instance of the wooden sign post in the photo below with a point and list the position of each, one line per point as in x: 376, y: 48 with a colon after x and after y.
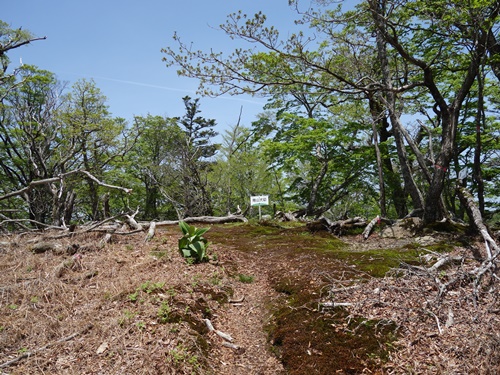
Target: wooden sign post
x: 259, y: 200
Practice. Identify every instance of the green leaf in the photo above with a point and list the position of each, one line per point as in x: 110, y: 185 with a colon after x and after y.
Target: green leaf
x: 184, y: 227
x: 192, y: 245
x: 183, y: 243
x: 201, y: 231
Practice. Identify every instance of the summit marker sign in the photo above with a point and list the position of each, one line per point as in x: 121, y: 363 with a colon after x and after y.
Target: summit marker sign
x: 259, y: 200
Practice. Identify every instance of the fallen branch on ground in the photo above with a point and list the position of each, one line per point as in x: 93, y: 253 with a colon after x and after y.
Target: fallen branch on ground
x: 237, y: 300
x: 211, y: 328
x: 202, y: 219
x: 131, y: 222
x: 377, y: 220
x: 31, y: 353
x: 336, y: 227
x: 492, y: 249
x: 151, y: 232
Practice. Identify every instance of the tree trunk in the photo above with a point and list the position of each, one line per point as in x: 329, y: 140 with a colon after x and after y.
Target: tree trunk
x: 478, y: 176
x: 390, y: 101
x: 391, y: 178
x: 376, y: 120
x: 433, y: 209
x: 151, y: 207
x: 94, y: 200
x: 69, y: 204
x: 316, y: 183
x: 106, y: 209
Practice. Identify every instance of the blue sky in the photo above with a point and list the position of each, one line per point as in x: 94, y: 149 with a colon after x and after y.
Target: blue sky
x: 117, y: 43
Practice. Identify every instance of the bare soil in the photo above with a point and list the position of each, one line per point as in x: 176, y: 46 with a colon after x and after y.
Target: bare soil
x: 136, y: 307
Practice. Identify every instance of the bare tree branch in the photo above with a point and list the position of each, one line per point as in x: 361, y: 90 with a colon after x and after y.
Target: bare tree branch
x: 61, y: 177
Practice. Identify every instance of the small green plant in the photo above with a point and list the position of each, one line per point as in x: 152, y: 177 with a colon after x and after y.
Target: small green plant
x: 150, y: 287
x: 215, y: 279
x: 133, y: 297
x: 158, y: 253
x: 247, y: 279
x: 126, y: 317
x: 180, y: 355
x: 140, y: 325
x: 164, y: 312
x: 192, y: 245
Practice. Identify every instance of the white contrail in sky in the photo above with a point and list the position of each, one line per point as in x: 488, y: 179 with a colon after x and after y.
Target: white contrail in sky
x: 239, y: 99
x: 144, y: 84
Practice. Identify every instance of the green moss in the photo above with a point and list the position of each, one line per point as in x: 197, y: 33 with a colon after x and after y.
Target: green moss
x: 442, y: 247
x: 379, y: 261
x: 307, y: 339
x: 158, y: 253
x: 246, y: 279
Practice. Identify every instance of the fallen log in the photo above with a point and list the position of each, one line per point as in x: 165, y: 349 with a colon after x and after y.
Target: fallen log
x: 285, y: 216
x: 42, y: 247
x: 376, y: 221
x: 221, y: 334
x: 201, y: 219
x: 131, y: 222
x: 151, y: 232
x: 336, y: 227
x: 333, y: 305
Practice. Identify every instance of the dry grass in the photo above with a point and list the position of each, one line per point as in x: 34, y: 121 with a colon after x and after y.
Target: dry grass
x: 143, y: 302
x: 453, y: 333
x: 138, y: 308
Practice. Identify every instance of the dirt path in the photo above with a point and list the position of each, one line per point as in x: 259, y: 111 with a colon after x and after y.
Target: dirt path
x: 245, y: 321
x: 279, y: 319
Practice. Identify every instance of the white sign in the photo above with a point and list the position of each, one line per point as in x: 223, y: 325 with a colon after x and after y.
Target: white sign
x: 260, y: 200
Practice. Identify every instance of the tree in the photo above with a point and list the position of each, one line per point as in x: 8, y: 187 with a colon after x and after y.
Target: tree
x: 195, y: 158
x: 321, y: 155
x: 239, y: 172
x: 420, y: 45
x: 11, y: 39
x: 154, y: 160
x: 31, y: 138
x: 42, y: 154
x: 95, y: 137
x: 466, y: 26
x: 289, y: 72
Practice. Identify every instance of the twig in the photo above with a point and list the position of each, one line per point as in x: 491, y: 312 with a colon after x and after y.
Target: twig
x: 237, y: 300
x: 211, y: 328
x: 437, y: 321
x: 332, y: 305
x: 29, y: 354
x: 230, y: 345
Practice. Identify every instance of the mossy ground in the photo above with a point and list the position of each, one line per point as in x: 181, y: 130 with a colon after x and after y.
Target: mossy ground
x: 300, y: 265
x: 147, y: 305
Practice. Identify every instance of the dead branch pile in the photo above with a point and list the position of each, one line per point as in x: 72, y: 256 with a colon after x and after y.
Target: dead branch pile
x: 446, y: 311
x: 336, y: 227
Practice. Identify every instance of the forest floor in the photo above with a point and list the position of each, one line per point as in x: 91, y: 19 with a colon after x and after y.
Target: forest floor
x: 136, y: 307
